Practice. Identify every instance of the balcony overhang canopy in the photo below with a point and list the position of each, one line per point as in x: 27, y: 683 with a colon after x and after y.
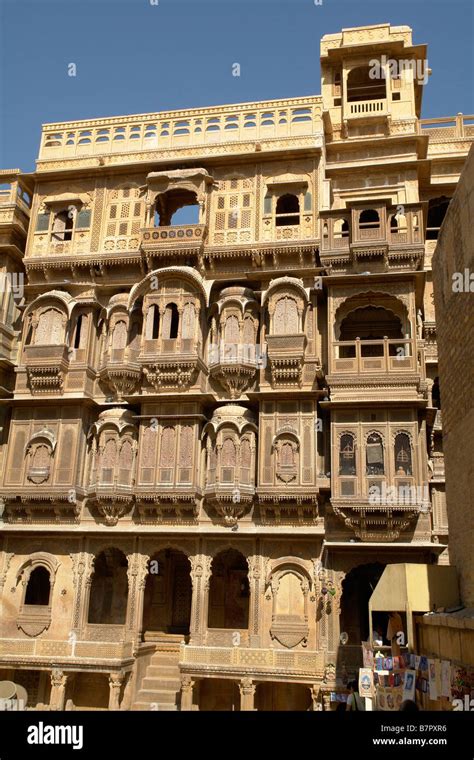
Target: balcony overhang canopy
x: 410, y: 587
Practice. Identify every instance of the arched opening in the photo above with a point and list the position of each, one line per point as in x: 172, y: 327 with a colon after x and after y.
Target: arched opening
x: 38, y: 589
x: 398, y: 224
x: 77, y: 333
x: 437, y: 208
x: 229, y: 591
x: 357, y: 588
x: 341, y: 229
x: 287, y: 210
x: 171, y: 322
x: 369, y: 223
x: 109, y: 588
x: 370, y: 323
x: 168, y: 593
x: 63, y: 224
x: 360, y: 85
x: 155, y: 322
x: 176, y: 207
x: 403, y: 456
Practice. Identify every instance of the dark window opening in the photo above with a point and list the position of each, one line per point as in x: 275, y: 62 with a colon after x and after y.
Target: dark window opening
x: 360, y: 86
x: 109, y: 588
x: 287, y: 210
x: 77, y: 335
x: 172, y: 321
x: 156, y: 322
x: 437, y: 208
x: 39, y: 587
x: 436, y: 394
x: 369, y: 219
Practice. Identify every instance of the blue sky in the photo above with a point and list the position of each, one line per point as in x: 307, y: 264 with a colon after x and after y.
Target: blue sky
x: 135, y: 57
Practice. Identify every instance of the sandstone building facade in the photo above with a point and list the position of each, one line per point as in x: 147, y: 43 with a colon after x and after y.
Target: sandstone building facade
x: 217, y: 430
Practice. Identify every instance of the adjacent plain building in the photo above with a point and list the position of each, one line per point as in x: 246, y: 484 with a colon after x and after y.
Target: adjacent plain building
x: 220, y: 407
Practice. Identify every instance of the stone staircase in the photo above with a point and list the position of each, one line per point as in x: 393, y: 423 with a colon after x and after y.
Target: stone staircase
x: 161, y: 685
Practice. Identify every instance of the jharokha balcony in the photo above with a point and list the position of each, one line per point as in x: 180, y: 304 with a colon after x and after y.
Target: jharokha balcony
x: 121, y: 371
x: 46, y: 366
x: 377, y: 238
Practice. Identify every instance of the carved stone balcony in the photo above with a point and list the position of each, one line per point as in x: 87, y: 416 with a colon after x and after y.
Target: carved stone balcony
x: 234, y: 366
x: 111, y: 501
x: 41, y: 504
x: 232, y: 661
x: 390, y: 240
x: 171, y: 504
x: 286, y: 358
x: 166, y: 241
x: 376, y: 522
x: 229, y: 501
x: 46, y: 367
x: 372, y: 366
x: 121, y: 371
x: 170, y: 363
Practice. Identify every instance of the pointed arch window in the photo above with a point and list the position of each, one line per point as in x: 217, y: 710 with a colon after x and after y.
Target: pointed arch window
x: 403, y: 455
x: 374, y: 455
x: 347, y: 459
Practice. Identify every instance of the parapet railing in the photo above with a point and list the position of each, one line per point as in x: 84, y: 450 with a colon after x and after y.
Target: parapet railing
x: 175, y: 129
x: 447, y: 128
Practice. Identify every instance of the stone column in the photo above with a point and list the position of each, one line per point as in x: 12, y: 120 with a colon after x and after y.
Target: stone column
x: 115, y: 685
x: 186, y: 693
x: 316, y: 697
x: 200, y: 575
x: 58, y: 689
x: 247, y: 694
x: 327, y: 702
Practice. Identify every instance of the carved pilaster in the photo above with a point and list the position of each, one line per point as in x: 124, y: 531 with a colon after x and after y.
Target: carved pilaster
x: 82, y: 571
x: 247, y: 694
x: 256, y: 594
x: 187, y: 685
x: 58, y: 689
x: 115, y: 686
x: 137, y: 573
x: 200, y: 575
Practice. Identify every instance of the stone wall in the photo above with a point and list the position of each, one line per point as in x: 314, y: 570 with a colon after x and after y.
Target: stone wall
x: 453, y: 273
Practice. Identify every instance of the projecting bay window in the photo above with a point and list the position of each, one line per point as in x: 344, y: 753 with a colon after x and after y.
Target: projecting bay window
x: 60, y: 227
